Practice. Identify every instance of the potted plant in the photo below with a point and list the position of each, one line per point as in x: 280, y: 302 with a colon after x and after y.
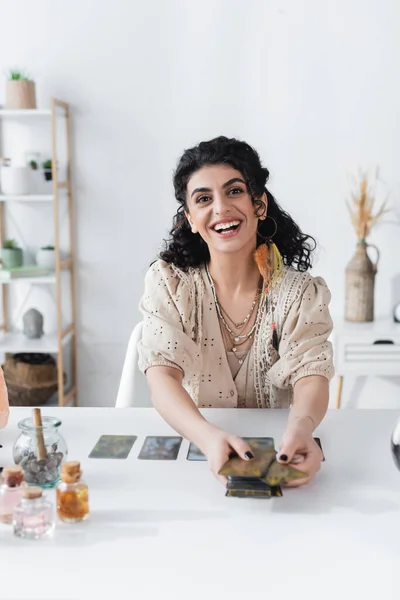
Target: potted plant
x: 14, y: 181
x: 47, y: 167
x: 20, y: 91
x: 46, y: 257
x: 11, y: 255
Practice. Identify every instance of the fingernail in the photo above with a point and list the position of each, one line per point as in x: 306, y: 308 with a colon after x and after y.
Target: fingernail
x: 249, y: 455
x: 283, y: 457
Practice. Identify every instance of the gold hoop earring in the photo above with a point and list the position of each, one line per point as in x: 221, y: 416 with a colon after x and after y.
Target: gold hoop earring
x: 269, y: 237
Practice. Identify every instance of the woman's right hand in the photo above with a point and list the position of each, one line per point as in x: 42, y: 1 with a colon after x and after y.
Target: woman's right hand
x: 219, y: 445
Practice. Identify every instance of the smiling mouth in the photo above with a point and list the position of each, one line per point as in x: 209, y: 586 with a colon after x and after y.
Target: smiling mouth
x: 224, y: 229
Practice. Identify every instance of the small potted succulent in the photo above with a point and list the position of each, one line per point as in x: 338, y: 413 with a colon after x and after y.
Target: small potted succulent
x: 47, y: 167
x: 20, y: 91
x: 11, y: 255
x: 46, y: 257
x: 32, y: 160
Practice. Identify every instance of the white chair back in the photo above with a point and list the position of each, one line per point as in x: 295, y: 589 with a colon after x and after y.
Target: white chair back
x: 133, y: 389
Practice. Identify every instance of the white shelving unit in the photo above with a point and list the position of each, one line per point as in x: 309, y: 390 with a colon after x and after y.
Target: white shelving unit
x: 56, y: 342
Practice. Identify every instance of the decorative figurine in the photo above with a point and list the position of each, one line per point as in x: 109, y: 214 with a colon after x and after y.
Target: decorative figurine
x: 33, y: 324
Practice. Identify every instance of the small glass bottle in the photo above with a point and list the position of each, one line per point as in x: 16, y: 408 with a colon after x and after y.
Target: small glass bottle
x: 33, y: 518
x: 72, y: 494
x: 12, y: 483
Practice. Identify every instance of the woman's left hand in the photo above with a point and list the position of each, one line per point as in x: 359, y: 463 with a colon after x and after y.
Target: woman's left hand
x: 299, y: 449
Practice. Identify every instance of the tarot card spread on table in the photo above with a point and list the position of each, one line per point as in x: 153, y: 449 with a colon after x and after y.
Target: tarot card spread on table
x: 160, y: 448
x: 113, y: 446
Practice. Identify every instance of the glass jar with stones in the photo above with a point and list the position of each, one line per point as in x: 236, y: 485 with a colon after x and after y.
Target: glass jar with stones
x: 40, y: 450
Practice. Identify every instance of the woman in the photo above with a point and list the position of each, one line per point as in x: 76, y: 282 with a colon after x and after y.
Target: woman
x: 231, y: 317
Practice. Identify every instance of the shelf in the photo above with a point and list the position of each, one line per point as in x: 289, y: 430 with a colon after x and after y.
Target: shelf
x: 51, y: 278
x: 44, y: 279
x: 18, y: 342
x: 30, y: 113
x: 29, y: 198
x: 62, y: 187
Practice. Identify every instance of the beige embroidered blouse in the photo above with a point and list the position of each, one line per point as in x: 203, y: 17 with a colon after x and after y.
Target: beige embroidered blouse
x: 181, y: 329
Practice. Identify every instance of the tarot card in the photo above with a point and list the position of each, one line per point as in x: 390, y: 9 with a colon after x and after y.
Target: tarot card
x: 279, y: 474
x: 249, y: 493
x: 257, y: 467
x: 160, y: 448
x: 246, y: 483
x: 194, y: 453
x: 262, y: 442
x: 243, y: 486
x: 113, y: 446
x: 273, y: 492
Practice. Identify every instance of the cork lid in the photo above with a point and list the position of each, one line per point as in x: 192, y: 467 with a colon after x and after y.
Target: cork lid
x: 71, y: 471
x: 12, y: 476
x: 32, y: 492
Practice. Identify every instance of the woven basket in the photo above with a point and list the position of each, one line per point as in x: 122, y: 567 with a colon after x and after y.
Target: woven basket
x: 31, y: 378
x: 360, y: 285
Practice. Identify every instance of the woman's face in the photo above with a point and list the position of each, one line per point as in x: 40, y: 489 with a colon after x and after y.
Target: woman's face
x: 220, y: 209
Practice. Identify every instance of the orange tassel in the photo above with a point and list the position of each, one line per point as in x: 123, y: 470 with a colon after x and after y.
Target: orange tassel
x: 262, y: 257
x: 269, y: 262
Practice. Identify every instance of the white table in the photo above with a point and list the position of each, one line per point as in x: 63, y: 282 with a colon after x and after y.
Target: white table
x: 166, y: 529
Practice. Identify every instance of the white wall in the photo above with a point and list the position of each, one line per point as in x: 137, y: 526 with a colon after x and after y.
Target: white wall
x: 313, y: 85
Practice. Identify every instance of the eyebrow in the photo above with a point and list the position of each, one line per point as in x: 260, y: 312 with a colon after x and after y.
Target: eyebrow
x: 225, y: 185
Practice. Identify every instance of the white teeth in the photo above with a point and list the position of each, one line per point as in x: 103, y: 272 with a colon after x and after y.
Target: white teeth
x: 221, y: 226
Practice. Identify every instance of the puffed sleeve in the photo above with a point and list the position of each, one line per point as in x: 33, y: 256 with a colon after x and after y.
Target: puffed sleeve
x: 304, y: 348
x: 165, y: 309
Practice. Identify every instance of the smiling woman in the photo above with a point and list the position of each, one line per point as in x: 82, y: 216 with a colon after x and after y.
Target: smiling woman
x: 231, y: 316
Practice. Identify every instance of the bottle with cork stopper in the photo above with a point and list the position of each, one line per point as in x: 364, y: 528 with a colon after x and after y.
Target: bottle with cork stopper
x: 33, y: 518
x: 72, y: 494
x: 12, y: 483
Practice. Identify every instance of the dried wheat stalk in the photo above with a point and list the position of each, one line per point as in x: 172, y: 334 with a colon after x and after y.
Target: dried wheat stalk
x: 361, y: 211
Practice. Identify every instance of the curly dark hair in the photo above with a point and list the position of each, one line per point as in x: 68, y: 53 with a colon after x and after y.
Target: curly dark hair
x: 186, y: 249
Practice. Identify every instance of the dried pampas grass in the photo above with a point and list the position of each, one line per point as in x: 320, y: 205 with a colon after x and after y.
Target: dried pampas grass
x: 361, y: 208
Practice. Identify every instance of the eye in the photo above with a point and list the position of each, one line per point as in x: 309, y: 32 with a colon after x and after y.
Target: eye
x: 202, y: 199
x: 235, y: 191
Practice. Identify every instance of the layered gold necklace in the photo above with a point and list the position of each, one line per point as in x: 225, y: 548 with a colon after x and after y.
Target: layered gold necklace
x: 235, y: 339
